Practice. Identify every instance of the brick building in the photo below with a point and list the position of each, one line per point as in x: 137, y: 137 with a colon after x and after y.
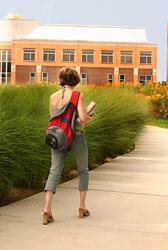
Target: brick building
x: 30, y: 52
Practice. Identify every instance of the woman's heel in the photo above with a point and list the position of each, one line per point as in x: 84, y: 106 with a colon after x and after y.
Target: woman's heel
x: 47, y: 218
x: 83, y: 212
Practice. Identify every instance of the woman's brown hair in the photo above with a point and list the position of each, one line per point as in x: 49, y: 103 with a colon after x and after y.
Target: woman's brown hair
x: 69, y: 76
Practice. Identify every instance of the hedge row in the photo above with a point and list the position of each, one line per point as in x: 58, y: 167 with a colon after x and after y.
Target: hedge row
x: 24, y: 113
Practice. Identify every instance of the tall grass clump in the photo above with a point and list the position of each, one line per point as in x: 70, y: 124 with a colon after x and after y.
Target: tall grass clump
x: 24, y: 114
x: 119, y: 118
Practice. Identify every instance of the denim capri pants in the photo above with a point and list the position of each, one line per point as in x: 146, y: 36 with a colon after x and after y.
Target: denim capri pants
x: 80, y: 151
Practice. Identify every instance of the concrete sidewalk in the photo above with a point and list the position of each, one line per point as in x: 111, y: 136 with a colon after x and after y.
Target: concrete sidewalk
x: 127, y: 198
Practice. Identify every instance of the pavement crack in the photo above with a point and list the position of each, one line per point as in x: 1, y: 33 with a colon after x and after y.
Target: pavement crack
x: 122, y: 192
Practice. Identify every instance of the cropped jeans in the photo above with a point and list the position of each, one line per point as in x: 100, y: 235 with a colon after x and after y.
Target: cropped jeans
x: 80, y: 151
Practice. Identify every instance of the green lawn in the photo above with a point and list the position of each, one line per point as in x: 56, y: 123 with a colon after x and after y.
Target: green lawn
x: 163, y: 123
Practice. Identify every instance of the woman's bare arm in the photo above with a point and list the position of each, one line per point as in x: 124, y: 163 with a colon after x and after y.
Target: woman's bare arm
x: 84, y: 118
x: 52, y: 105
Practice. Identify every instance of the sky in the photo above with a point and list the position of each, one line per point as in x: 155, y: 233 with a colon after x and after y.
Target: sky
x: 150, y: 14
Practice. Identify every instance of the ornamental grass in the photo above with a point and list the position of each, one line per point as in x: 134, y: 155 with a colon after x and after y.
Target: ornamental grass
x: 24, y: 113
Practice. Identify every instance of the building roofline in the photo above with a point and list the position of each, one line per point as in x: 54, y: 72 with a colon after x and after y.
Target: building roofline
x: 83, y: 41
x: 93, y: 26
x: 74, y: 25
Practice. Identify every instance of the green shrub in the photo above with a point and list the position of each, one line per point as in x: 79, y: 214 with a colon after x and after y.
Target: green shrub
x: 24, y: 114
x: 157, y: 94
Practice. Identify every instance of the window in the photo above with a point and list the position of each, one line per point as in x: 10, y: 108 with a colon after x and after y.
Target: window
x: 110, y: 78
x: 126, y: 57
x: 5, y: 78
x: 145, y: 57
x: 143, y: 79
x: 122, y: 78
x: 5, y: 56
x: 29, y: 54
x: 44, y: 77
x: 32, y: 77
x: 68, y: 55
x: 5, y: 66
x: 107, y: 57
x: 88, y: 56
x: 84, y: 78
x: 49, y: 55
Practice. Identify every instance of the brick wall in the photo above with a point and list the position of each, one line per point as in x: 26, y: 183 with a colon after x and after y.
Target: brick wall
x: 129, y: 74
x: 94, y: 75
x: 22, y: 73
x: 52, y: 73
x: 97, y: 75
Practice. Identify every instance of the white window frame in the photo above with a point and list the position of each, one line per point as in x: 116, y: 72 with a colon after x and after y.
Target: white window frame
x: 5, y: 59
x: 69, y: 52
x: 32, y: 79
x: 44, y: 79
x: 87, y: 53
x: 108, y: 54
x: 120, y: 78
x: 145, y: 76
x: 147, y: 57
x: 84, y: 79
x: 5, y: 55
x: 128, y: 54
x: 31, y: 52
x: 110, y: 78
x: 49, y: 52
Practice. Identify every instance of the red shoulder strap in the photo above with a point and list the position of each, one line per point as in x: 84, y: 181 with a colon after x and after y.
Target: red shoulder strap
x: 74, y: 97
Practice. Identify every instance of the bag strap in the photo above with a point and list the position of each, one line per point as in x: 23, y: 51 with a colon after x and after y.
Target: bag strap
x: 75, y: 97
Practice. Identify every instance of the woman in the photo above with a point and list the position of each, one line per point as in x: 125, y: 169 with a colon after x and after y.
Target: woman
x: 68, y: 78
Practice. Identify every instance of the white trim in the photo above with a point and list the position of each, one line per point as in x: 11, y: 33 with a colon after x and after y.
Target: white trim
x: 30, y: 78
x: 154, y: 72
x: 131, y: 55
x: 69, y: 61
x: 104, y: 51
x: 87, y: 55
x: 77, y: 68
x: 42, y: 77
x: 30, y: 54
x: 85, y: 79
x: 13, y: 68
x: 4, y: 59
x: 38, y: 68
x: 6, y: 72
x: 49, y: 55
x: 135, y: 71
x: 116, y: 71
x: 1, y: 68
x: 146, y: 57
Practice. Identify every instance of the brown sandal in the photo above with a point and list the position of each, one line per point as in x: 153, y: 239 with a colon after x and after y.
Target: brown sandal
x: 47, y: 218
x: 83, y: 212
